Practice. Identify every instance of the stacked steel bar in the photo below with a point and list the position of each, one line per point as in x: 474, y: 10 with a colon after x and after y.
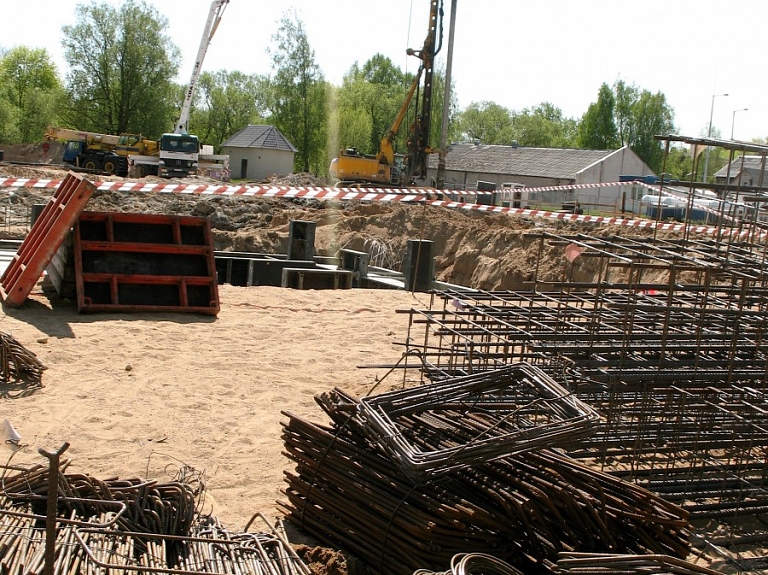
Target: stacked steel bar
x: 527, y: 507
x: 488, y: 415
x: 614, y: 564
x: 22, y: 543
x: 634, y: 338
x: 668, y: 343
x: 152, y: 506
x: 207, y: 548
x: 466, y: 563
x: 17, y: 363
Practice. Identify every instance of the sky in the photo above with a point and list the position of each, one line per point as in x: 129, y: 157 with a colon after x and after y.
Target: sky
x: 511, y: 52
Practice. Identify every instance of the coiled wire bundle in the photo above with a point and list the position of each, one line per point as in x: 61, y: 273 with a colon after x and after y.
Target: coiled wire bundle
x: 468, y: 563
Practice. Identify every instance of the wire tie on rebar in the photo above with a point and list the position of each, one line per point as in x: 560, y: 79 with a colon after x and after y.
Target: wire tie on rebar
x: 311, y: 482
x: 389, y: 525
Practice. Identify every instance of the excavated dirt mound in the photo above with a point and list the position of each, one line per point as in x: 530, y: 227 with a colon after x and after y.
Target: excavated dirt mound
x: 48, y: 153
x: 472, y: 248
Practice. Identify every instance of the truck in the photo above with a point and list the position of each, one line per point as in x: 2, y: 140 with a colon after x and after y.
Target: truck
x: 97, y: 152
x: 386, y: 167
x: 177, y: 156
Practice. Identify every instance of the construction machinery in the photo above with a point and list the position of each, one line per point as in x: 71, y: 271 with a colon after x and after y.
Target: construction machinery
x: 386, y: 167
x: 175, y: 154
x: 179, y: 153
x: 93, y: 151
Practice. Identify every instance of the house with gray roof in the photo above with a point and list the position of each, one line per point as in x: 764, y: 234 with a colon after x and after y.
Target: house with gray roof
x: 258, y: 152
x: 469, y: 163
x: 745, y: 171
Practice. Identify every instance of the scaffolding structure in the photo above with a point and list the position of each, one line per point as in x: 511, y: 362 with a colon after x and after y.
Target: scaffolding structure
x: 668, y: 344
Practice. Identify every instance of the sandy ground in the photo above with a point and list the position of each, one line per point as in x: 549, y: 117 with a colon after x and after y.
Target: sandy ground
x: 141, y: 395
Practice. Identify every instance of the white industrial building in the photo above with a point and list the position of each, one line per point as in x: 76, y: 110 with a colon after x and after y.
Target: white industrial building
x: 258, y: 152
x: 469, y: 163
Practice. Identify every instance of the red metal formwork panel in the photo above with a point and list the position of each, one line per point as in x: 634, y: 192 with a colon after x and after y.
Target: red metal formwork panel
x: 145, y: 262
x: 45, y: 237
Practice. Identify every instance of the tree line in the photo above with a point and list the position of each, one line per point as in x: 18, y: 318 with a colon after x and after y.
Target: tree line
x: 120, y: 80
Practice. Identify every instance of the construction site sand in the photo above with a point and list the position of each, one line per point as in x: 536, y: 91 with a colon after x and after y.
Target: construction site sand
x: 142, y: 394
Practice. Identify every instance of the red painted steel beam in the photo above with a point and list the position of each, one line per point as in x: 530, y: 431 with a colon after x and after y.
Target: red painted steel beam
x: 45, y: 237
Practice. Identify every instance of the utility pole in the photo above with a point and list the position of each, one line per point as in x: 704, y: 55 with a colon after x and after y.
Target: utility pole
x: 709, y: 135
x: 446, y: 101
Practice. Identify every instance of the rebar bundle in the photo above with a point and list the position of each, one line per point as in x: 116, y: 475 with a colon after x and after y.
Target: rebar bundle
x: 17, y: 363
x: 522, y: 508
x: 614, y: 564
x: 151, y: 506
x: 477, y: 418
x: 666, y: 339
x: 467, y: 563
x: 207, y: 548
x: 681, y: 393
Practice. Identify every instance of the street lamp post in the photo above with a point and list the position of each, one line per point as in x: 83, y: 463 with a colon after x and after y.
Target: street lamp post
x: 709, y: 135
x: 733, y: 122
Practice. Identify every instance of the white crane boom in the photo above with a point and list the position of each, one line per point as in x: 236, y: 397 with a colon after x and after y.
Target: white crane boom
x: 214, y: 17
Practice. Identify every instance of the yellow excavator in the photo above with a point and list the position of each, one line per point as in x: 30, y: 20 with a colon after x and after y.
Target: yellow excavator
x: 353, y: 169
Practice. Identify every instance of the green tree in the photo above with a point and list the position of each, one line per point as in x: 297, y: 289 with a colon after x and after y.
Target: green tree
x: 350, y: 124
x: 718, y: 157
x: 639, y: 116
x: 363, y: 110
x: 226, y: 102
x: 679, y: 163
x: 597, y: 129
x: 8, y: 122
x: 652, y: 116
x: 387, y: 89
x: 438, y: 101
x: 121, y: 69
x: 31, y: 94
x: 298, y: 94
x: 487, y: 122
x: 625, y: 98
x: 368, y: 101
x: 544, y: 126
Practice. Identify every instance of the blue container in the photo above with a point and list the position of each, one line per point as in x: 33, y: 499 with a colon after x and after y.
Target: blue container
x: 667, y: 213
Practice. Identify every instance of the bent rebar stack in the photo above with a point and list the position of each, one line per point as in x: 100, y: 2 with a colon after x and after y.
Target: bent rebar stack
x: 666, y: 339
x: 522, y: 508
x: 128, y: 526
x: 476, y: 418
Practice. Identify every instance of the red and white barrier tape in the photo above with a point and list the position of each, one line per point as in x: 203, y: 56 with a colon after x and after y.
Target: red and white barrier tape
x: 565, y: 187
x: 377, y: 194
x: 319, y: 192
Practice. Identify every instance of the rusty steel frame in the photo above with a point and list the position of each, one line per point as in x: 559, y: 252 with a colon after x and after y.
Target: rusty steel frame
x: 81, y: 546
x: 669, y: 344
x: 347, y: 492
x: 135, y: 271
x: 493, y: 414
